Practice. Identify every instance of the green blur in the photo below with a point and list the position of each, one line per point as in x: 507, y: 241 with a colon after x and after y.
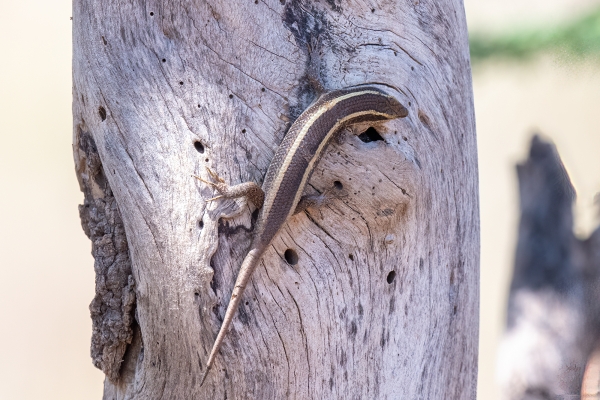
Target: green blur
x: 578, y: 38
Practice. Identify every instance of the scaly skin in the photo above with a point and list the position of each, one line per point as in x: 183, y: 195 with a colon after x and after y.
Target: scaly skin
x: 290, y: 170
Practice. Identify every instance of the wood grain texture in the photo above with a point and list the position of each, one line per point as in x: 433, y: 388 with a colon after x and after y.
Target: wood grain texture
x: 153, y: 78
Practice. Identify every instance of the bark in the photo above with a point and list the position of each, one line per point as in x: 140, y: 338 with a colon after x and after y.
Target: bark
x: 112, y: 307
x: 383, y: 300
x: 553, y: 318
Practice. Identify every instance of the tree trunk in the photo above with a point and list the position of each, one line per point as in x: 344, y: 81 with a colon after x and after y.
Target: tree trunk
x: 383, y: 300
x: 553, y: 318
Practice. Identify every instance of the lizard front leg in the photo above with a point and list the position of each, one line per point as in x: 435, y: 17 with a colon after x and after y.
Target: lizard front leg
x: 249, y: 190
x: 320, y: 199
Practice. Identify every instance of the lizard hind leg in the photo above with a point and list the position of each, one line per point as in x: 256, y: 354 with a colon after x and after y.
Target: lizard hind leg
x: 249, y: 190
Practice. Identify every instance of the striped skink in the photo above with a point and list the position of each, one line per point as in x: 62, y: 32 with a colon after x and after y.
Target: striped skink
x: 290, y: 170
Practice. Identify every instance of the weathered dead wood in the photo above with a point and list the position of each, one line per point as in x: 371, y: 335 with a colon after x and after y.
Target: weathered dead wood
x: 553, y: 317
x: 383, y: 302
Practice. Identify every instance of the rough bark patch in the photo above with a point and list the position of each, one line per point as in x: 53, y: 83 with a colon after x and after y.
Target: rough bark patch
x: 112, y: 308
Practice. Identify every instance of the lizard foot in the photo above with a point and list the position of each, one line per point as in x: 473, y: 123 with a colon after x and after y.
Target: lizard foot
x: 321, y: 199
x: 249, y: 190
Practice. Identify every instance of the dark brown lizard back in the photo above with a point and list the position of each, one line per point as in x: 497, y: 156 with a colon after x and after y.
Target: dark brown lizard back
x: 305, y: 143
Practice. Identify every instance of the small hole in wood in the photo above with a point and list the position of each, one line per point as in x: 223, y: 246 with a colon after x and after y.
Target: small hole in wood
x: 405, y: 138
x: 282, y: 2
x: 262, y: 90
x: 424, y: 119
x: 351, y: 257
x: 372, y: 10
x: 246, y: 303
x: 199, y: 147
x: 164, y: 60
x: 412, y: 68
x: 370, y: 135
x: 196, y: 295
x: 231, y: 96
x: 151, y: 14
x: 391, y: 276
x: 243, y: 131
x: 255, y: 1
x: 200, y: 224
x: 104, y: 40
x: 181, y: 82
x: 102, y: 112
x: 338, y: 185
x: 206, y: 159
x: 291, y: 257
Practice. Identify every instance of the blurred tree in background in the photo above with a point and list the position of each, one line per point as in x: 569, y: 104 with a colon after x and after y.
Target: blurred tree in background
x: 550, y: 348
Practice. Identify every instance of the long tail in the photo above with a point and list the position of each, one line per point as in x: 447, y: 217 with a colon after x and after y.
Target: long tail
x: 248, y: 266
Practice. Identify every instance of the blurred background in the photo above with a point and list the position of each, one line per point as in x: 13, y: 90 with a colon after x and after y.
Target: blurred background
x: 536, y: 68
